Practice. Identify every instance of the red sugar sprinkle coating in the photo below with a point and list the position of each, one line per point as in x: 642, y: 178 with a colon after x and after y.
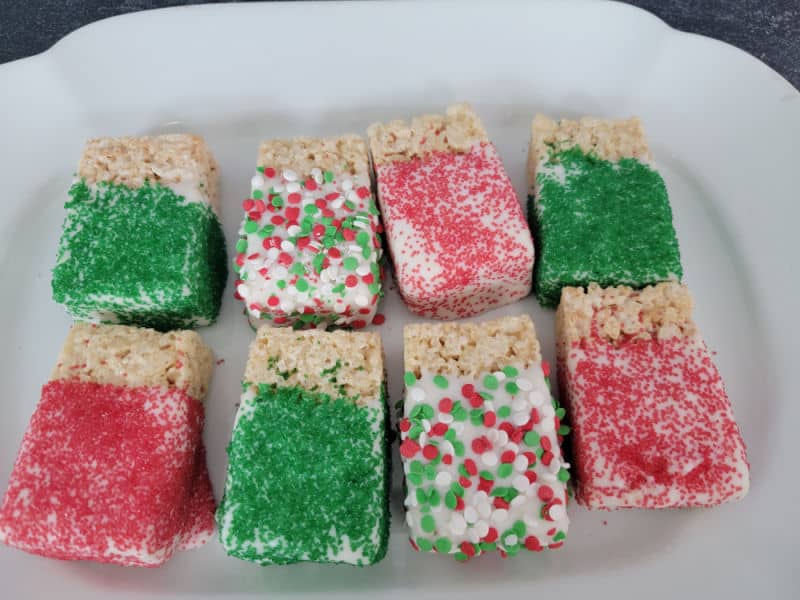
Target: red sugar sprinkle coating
x: 652, y: 425
x: 96, y: 455
x: 456, y: 232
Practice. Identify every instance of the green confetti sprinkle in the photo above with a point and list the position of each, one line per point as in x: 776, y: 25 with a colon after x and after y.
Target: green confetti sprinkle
x: 531, y: 439
x: 490, y: 382
x: 504, y: 470
x: 350, y: 263
x: 258, y: 195
x: 511, y: 388
x: 425, y: 545
x: 443, y: 545
x: 409, y: 378
x: 510, y: 371
x: 504, y: 412
x: 428, y: 524
x: 440, y: 381
x: 250, y: 226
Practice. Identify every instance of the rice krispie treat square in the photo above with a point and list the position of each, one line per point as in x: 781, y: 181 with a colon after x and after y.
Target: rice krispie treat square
x: 112, y: 467
x: 454, y: 226
x: 653, y: 427
x: 481, y: 438
x: 309, y: 248
x: 142, y: 242
x: 598, y: 207
x: 308, y: 462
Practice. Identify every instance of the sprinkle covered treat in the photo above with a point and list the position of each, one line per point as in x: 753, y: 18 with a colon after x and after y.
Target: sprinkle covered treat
x: 480, y: 441
x: 454, y: 225
x: 142, y: 242
x: 309, y: 248
x: 598, y: 207
x: 653, y: 427
x: 308, y: 463
x: 112, y: 467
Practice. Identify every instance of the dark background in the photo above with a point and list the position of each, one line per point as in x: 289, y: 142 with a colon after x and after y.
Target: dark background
x: 767, y: 29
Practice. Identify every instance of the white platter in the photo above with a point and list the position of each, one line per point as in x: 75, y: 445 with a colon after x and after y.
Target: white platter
x: 724, y: 129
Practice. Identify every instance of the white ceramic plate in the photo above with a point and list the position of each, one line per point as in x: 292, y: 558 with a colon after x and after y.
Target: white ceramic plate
x: 724, y: 129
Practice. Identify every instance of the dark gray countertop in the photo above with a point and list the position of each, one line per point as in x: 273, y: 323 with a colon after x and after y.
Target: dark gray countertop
x: 767, y: 29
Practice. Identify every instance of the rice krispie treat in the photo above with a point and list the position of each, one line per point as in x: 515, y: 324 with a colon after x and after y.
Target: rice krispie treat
x: 308, y: 462
x: 481, y: 439
x: 598, y: 207
x: 309, y: 248
x: 454, y: 225
x: 142, y: 242
x: 112, y: 467
x: 653, y: 426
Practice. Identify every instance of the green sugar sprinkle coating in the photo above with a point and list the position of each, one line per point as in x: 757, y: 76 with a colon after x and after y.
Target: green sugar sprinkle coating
x: 306, y: 472
x: 139, y: 256
x: 600, y: 221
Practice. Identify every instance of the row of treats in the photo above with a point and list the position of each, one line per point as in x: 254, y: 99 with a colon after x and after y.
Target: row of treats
x: 112, y: 467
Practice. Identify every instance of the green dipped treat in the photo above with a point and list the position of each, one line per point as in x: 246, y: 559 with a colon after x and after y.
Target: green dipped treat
x: 308, y: 462
x: 142, y: 243
x: 598, y: 208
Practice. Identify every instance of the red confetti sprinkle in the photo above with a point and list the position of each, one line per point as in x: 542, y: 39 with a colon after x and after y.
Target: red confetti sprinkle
x: 545, y: 493
x: 430, y: 452
x: 445, y: 404
x: 379, y: 319
x: 409, y: 448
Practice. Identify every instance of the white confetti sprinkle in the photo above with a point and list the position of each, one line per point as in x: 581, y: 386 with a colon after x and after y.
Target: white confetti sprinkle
x: 316, y: 174
x: 549, y: 476
x: 417, y: 394
x: 531, y: 520
x: 257, y: 181
x: 289, y: 175
x: 547, y: 425
x: 470, y: 514
x: 489, y: 458
x: 361, y: 300
x: 481, y: 496
x: 481, y: 528
x: 548, y: 411
x: 242, y: 290
x: 446, y: 418
x: 499, y: 516
x: 458, y: 427
x: 484, y: 509
x: 426, y: 425
x: 352, y: 195
x: 362, y: 269
x: 443, y: 478
x: 292, y: 188
x: 512, y: 446
x: 277, y: 188
x: 499, y: 375
x: 555, y: 465
x: 520, y: 463
x: 409, y: 519
x: 337, y: 204
x: 518, y: 501
x: 521, y: 483
x: 520, y: 418
x: 287, y: 246
x: 511, y: 540
x: 557, y: 512
x: 457, y: 524
x: 447, y: 447
x: 491, y: 435
x: 519, y: 403
x: 474, y: 536
x: 502, y: 438
x: 423, y: 438
x: 524, y: 384
x: 347, y: 184
x: 438, y: 508
x: 488, y: 405
x: 293, y: 230
x: 536, y: 398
